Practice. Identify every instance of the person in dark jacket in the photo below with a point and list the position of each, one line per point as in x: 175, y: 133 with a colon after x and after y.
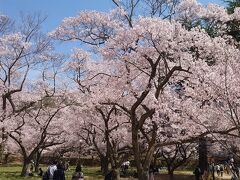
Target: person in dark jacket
x: 40, y: 172
x: 111, y: 175
x: 59, y: 173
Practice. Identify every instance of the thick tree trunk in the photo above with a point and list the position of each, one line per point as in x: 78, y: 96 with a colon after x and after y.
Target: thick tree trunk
x: 142, y: 167
x: 117, y: 173
x: 136, y: 152
x: 202, y: 151
x: 25, y: 167
x: 143, y: 175
x: 170, y: 173
x: 104, y: 164
x: 36, y: 166
x: 155, y: 158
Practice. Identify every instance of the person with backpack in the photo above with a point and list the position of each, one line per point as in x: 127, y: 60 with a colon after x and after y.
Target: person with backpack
x: 78, y: 175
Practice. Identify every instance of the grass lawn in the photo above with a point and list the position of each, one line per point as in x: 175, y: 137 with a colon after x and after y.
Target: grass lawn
x: 12, y: 172
x: 185, y: 175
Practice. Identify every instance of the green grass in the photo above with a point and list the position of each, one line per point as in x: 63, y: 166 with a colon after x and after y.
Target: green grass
x: 12, y: 172
x: 184, y: 172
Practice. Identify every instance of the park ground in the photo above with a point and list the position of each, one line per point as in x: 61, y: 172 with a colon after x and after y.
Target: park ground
x: 12, y: 172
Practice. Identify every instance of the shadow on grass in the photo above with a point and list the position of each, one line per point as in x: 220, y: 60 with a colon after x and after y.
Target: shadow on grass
x: 175, y: 177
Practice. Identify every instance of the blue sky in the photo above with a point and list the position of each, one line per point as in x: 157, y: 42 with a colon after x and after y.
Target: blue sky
x: 57, y: 10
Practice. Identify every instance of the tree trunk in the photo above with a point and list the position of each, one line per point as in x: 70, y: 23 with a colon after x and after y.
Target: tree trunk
x: 143, y: 175
x: 136, y: 152
x: 155, y: 158
x: 37, y: 161
x: 117, y: 174
x: 202, y: 151
x: 36, y: 166
x: 24, y: 167
x: 170, y: 173
x: 2, y: 144
x: 104, y: 165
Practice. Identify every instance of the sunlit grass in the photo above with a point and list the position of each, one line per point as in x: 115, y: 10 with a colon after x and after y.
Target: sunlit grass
x: 12, y: 172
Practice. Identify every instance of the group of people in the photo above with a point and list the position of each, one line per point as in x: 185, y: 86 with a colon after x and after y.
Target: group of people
x: 229, y: 168
x: 56, y: 171
x: 233, y: 169
x: 220, y: 169
x: 29, y: 171
x: 124, y: 167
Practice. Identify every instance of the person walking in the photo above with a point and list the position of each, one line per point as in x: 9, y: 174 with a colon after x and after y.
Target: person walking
x: 234, y: 176
x: 218, y: 170
x: 221, y: 170
x: 212, y: 170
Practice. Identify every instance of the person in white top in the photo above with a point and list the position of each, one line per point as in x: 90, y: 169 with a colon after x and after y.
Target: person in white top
x: 51, y: 169
x: 218, y: 170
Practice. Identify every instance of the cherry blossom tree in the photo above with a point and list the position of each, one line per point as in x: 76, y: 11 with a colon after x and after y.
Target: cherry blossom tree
x: 104, y: 130
x: 100, y: 125
x: 31, y: 107
x: 140, y: 62
x: 36, y: 130
x: 22, y: 48
x: 176, y: 156
x: 21, y: 51
x: 44, y: 123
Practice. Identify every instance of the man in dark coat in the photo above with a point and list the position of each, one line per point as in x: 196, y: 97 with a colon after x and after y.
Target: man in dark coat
x: 59, y: 173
